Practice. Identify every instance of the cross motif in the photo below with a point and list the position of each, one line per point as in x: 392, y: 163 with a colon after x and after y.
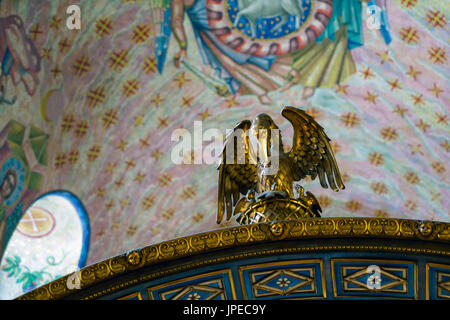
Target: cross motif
x: 29, y: 218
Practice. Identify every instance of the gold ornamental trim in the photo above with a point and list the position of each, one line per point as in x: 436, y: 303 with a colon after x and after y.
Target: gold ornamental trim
x: 312, y: 228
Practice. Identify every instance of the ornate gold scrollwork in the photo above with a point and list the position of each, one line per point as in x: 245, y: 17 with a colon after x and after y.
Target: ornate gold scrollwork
x: 277, y: 229
x: 425, y: 228
x: 134, y: 258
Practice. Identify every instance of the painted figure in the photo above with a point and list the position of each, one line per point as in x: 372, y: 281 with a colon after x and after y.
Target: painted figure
x: 328, y: 61
x: 255, y: 9
x: 247, y: 43
x: 8, y: 185
x: 243, y: 73
x: 19, y: 58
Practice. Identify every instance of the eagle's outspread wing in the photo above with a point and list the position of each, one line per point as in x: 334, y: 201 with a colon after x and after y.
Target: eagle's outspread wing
x: 234, y: 178
x: 311, y: 152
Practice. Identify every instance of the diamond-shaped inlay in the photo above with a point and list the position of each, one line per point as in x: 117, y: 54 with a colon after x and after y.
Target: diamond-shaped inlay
x: 283, y: 282
x: 389, y: 280
x: 290, y: 279
x: 209, y: 290
x: 374, y: 278
x: 132, y: 296
x: 443, y: 284
x: 438, y: 281
x: 217, y: 285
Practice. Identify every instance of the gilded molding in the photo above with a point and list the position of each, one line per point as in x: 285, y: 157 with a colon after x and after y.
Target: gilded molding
x: 254, y: 233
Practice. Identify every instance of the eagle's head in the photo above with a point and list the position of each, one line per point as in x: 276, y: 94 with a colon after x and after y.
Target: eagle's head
x: 265, y: 139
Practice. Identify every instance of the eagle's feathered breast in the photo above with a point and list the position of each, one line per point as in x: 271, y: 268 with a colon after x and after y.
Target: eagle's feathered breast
x: 282, y: 180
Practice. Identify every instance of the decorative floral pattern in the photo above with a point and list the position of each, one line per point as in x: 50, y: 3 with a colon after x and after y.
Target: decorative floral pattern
x: 193, y: 296
x: 283, y: 282
x: 27, y: 278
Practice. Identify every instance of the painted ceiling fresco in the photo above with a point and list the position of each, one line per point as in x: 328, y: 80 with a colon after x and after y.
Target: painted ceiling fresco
x: 92, y: 110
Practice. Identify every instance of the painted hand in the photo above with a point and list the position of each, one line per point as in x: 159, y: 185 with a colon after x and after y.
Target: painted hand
x: 179, y: 57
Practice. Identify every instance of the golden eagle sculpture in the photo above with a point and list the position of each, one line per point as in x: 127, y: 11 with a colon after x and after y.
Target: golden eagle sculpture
x: 258, y: 180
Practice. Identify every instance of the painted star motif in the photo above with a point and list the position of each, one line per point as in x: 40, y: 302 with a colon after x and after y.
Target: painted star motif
x: 139, y: 177
x: 417, y: 99
x: 163, y: 122
x: 36, y: 32
x: 100, y: 192
x: 394, y: 84
x: 138, y: 120
x: 232, y: 102
x: 187, y: 101
x: 205, y: 115
x: 110, y: 166
x: 125, y: 202
x: 109, y: 205
x: 445, y: 145
x: 150, y: 65
x: 416, y: 149
x: 400, y: 110
x: 413, y: 73
x: 144, y: 142
x: 435, y: 196
x: 371, y: 97
x: 122, y: 145
x: 129, y: 164
x: 46, y: 53
x: 409, y: 34
x: 441, y: 118
x: 384, y: 57
x: 156, y: 154
x: 367, y: 73
x: 436, y: 19
x: 314, y: 112
x: 55, y: 23
x: 435, y: 90
x: 118, y: 183
x: 408, y: 3
x: 422, y: 125
x: 55, y: 71
x: 181, y: 80
x: 103, y: 27
x: 342, y: 88
x: 156, y: 100
x: 437, y: 55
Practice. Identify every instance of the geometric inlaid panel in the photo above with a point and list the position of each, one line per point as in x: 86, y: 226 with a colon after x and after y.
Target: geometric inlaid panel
x: 293, y: 279
x: 132, y: 296
x: 370, y: 278
x: 438, y: 281
x: 217, y: 285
